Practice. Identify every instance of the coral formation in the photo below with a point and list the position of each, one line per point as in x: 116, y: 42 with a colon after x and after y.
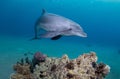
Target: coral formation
x: 22, y: 70
x: 83, y: 67
x: 38, y: 57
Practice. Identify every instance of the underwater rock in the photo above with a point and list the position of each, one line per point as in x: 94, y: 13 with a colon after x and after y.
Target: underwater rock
x: 83, y: 67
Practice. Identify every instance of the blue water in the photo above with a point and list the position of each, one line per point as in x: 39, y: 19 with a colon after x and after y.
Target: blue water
x: 100, y: 19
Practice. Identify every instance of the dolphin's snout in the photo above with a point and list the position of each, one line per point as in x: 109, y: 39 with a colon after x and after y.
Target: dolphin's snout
x: 82, y: 34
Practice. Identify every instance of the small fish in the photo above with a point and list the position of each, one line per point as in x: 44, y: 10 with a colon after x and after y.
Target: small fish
x: 57, y: 26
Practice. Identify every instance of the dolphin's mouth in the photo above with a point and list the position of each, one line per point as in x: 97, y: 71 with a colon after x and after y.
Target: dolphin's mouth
x: 82, y: 34
x: 85, y: 35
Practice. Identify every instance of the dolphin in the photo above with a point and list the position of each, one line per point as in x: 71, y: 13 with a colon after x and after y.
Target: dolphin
x: 57, y: 26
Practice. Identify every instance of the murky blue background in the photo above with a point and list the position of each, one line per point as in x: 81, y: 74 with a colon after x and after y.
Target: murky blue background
x: 100, y: 19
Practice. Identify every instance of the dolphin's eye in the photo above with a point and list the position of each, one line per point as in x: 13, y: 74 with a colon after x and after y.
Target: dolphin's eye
x: 70, y: 29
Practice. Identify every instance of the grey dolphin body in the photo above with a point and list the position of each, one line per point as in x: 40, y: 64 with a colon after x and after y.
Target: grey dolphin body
x: 57, y: 26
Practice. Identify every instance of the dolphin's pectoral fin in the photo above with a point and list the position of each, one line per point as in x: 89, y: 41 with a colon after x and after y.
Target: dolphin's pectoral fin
x: 50, y: 34
x: 56, y: 37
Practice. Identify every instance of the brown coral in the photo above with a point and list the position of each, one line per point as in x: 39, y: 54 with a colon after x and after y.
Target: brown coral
x: 83, y: 67
x: 70, y: 65
x: 22, y: 71
x: 53, y: 68
x: 101, y: 70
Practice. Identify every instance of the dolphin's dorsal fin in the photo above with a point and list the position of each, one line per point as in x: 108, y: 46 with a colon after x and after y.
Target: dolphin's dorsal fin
x: 43, y: 11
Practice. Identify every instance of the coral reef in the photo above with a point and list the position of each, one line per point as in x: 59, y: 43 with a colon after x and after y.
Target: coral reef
x: 83, y: 67
x: 22, y: 70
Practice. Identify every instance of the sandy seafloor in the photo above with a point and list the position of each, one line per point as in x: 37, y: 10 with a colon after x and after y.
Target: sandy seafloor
x: 13, y: 48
